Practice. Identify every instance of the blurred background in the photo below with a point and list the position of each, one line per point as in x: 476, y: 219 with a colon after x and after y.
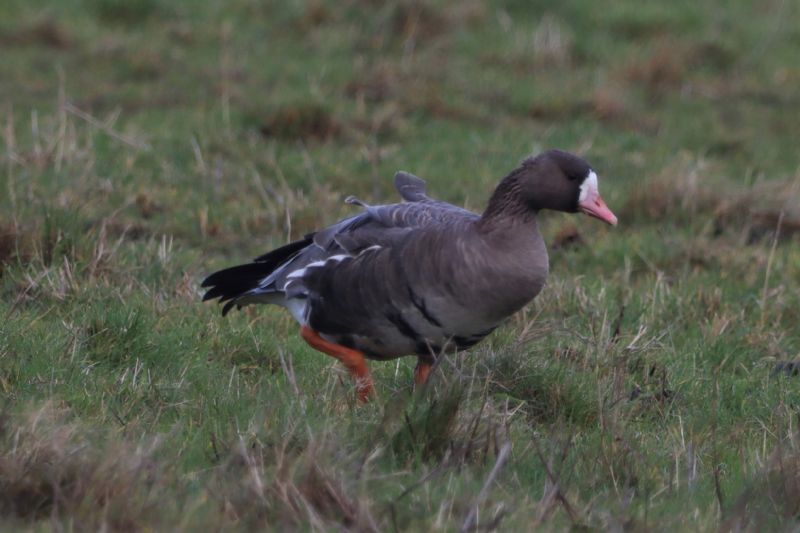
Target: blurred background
x: 219, y: 116
x: 145, y: 143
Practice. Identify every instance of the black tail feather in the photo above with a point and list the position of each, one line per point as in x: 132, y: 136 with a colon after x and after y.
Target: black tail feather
x: 227, y: 307
x: 230, y: 283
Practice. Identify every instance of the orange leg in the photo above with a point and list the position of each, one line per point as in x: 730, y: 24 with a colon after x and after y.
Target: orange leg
x: 421, y: 372
x: 353, y: 360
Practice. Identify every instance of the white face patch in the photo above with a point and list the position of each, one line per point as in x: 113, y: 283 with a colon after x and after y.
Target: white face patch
x: 588, y: 187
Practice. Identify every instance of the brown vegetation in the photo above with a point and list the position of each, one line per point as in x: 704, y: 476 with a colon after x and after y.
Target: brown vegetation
x: 51, y: 468
x: 687, y: 189
x: 42, y: 32
x: 304, y: 121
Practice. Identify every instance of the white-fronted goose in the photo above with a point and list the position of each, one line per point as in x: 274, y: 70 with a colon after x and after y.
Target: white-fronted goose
x: 419, y: 277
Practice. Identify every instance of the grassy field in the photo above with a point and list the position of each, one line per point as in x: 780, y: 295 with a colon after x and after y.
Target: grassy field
x: 146, y: 143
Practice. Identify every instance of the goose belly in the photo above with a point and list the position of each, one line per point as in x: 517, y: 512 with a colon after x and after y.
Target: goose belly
x: 408, y: 331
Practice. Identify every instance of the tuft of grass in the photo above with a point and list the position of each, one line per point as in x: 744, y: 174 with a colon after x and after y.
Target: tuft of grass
x: 772, y: 496
x: 287, y: 486
x: 44, y: 31
x: 52, y: 468
x: 759, y: 212
x: 301, y: 122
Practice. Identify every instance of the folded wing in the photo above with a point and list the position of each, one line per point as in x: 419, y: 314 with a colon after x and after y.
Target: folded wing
x: 271, y: 276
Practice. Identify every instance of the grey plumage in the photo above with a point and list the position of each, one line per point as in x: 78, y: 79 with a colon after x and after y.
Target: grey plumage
x: 417, y: 277
x: 403, y: 279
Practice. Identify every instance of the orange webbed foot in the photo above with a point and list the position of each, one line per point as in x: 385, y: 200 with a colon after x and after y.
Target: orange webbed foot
x: 353, y: 360
x: 422, y: 372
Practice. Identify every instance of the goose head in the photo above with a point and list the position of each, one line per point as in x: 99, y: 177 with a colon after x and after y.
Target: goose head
x: 562, y: 181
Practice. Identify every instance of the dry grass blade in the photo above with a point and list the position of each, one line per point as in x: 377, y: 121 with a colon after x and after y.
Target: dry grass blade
x: 289, y: 486
x: 471, y: 520
x: 125, y: 139
x: 556, y: 488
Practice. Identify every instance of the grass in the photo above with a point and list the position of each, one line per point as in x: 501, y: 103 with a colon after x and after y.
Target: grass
x: 147, y: 143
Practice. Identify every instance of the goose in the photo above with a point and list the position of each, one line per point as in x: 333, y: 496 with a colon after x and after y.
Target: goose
x: 421, y: 277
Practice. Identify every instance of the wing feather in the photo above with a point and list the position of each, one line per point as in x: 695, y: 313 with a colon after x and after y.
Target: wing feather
x: 271, y: 275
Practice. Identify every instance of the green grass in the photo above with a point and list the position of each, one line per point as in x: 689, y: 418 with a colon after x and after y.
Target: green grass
x: 146, y: 143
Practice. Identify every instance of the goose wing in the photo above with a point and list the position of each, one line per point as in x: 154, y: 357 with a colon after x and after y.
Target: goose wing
x: 268, y: 277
